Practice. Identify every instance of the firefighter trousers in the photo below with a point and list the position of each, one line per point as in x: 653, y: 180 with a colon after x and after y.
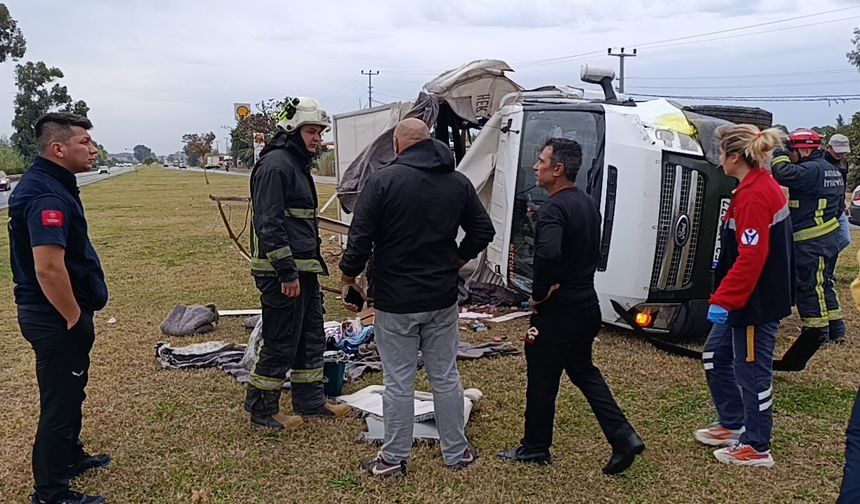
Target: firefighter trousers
x: 293, y: 338
x: 815, y: 265
x: 739, y: 369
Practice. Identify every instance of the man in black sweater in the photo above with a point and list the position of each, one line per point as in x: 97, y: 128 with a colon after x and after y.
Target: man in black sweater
x: 566, y: 315
x: 407, y: 216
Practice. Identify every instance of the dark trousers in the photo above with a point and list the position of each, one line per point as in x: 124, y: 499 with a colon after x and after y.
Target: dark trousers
x: 850, y: 492
x: 564, y: 344
x: 815, y: 265
x: 293, y: 338
x: 62, y: 370
x: 741, y: 381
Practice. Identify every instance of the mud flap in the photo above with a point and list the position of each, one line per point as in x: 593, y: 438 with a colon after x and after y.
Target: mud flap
x: 794, y: 359
x: 800, y: 351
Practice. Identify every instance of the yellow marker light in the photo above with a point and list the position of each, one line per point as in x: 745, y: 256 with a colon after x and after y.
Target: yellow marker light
x: 644, y: 319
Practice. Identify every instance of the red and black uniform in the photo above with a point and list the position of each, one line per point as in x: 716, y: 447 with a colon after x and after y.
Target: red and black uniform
x: 755, y: 284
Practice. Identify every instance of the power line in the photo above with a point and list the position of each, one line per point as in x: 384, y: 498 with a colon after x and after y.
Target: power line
x: 755, y: 86
x: 786, y: 98
x: 739, y: 35
x: 560, y: 59
x: 755, y: 76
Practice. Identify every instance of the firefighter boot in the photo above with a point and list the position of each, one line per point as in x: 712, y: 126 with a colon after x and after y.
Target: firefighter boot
x: 803, y: 348
x: 263, y: 405
x: 837, y: 331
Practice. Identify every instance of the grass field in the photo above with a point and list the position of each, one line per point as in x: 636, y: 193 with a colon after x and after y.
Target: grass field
x: 176, y: 433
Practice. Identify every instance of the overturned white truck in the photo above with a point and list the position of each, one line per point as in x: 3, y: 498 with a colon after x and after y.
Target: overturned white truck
x: 650, y: 166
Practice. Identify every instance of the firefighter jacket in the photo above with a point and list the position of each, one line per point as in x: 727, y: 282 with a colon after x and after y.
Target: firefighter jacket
x: 285, y: 239
x: 816, y: 194
x: 755, y: 272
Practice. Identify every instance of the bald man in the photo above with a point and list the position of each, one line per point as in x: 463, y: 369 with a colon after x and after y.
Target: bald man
x: 407, y: 216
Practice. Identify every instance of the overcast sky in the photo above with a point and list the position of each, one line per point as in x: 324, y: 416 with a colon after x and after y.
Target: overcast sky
x: 152, y: 70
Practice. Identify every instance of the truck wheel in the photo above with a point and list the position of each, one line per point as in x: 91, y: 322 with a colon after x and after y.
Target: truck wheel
x: 739, y: 115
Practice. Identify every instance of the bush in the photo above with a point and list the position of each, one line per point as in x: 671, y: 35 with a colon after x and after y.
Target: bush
x: 325, y: 164
x: 11, y: 161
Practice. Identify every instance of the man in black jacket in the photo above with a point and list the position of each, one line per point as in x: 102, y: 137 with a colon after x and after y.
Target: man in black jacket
x: 567, y: 314
x: 407, y: 216
x: 285, y: 247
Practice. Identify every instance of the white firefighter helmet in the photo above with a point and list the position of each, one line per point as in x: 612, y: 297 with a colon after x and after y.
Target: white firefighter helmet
x: 300, y: 111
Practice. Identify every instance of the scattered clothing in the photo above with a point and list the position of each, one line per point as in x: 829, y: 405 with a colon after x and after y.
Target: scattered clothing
x: 237, y: 360
x: 188, y: 320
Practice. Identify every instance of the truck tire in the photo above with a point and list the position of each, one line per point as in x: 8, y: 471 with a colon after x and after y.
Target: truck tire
x: 739, y: 115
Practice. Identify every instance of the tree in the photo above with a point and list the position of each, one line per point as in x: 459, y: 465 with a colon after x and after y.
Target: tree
x: 171, y: 158
x: 11, y: 161
x: 854, y: 56
x: 12, y: 43
x: 141, y: 152
x: 38, y: 94
x: 265, y: 121
x: 197, y: 146
x: 150, y: 159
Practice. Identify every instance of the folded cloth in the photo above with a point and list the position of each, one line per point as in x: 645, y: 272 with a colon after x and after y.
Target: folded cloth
x: 188, y: 320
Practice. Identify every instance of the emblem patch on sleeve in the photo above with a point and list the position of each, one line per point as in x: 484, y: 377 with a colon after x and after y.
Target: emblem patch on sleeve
x: 53, y: 218
x: 749, y: 237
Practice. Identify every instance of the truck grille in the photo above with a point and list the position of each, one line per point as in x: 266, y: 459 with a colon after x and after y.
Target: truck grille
x: 681, y: 200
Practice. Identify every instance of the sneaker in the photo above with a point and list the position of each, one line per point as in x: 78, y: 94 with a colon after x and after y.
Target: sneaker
x: 717, y: 435
x: 470, y: 455
x: 71, y: 497
x: 377, y: 466
x: 87, y: 462
x: 746, y: 455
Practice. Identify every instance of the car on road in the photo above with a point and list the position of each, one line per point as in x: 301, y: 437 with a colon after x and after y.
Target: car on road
x: 211, y: 166
x: 104, y: 169
x: 5, y: 182
x: 182, y: 166
x: 854, y: 207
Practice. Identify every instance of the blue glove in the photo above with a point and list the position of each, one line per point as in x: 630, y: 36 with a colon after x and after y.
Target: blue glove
x: 718, y: 314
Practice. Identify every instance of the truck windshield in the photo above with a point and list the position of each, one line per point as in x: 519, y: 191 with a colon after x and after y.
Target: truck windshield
x: 538, y: 126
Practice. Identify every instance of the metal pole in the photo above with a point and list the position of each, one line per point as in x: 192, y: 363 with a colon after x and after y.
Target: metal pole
x: 370, y: 74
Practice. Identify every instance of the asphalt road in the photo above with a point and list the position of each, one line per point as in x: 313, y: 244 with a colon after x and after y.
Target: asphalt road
x: 83, y: 179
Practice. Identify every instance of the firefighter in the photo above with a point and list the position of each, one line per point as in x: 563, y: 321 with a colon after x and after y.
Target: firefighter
x: 754, y: 292
x: 286, y: 264
x: 816, y: 200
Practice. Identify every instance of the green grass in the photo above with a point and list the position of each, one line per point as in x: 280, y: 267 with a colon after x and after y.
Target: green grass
x: 174, y: 433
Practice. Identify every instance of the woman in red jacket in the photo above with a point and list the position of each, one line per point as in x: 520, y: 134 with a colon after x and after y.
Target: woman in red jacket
x: 754, y: 279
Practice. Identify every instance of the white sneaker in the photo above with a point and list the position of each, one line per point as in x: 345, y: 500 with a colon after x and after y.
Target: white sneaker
x: 717, y: 435
x: 745, y: 455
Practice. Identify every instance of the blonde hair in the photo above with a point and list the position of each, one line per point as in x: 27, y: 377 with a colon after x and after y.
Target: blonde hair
x: 754, y: 146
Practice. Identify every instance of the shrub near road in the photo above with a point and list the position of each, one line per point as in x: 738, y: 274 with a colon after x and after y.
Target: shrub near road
x: 177, y: 433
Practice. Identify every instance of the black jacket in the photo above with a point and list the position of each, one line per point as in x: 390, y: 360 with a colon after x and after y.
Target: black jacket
x: 408, y: 215
x: 285, y: 240
x: 567, y: 252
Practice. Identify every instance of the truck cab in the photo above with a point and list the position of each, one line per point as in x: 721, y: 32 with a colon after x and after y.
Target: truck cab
x: 660, y: 201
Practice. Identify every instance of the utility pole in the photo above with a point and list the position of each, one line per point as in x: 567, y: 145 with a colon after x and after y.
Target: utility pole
x: 370, y: 74
x: 621, y: 55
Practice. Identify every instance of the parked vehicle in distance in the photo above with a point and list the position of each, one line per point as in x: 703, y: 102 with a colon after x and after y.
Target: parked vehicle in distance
x: 104, y: 169
x: 5, y: 182
x: 854, y: 207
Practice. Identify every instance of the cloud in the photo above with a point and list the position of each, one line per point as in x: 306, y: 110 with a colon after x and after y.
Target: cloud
x: 152, y: 70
